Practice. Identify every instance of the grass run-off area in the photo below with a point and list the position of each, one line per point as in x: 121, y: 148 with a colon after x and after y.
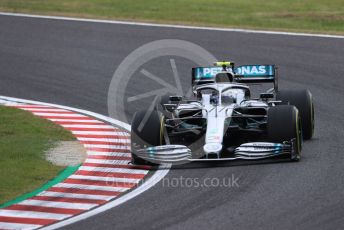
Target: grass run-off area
x: 290, y: 15
x: 24, y: 138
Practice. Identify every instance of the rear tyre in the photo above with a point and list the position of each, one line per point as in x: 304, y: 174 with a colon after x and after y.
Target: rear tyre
x: 147, y: 130
x: 284, y: 124
x: 162, y: 100
x: 303, y: 101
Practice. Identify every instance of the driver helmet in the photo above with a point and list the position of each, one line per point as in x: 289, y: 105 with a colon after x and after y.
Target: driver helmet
x: 224, y: 76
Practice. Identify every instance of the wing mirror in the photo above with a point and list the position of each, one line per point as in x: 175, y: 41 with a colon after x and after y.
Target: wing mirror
x: 266, y: 95
x: 170, y: 107
x: 176, y: 99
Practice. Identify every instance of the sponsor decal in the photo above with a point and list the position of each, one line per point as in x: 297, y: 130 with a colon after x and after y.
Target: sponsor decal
x: 255, y: 70
x: 262, y: 144
x: 246, y: 70
x: 260, y: 147
x: 213, y: 138
x: 207, y: 72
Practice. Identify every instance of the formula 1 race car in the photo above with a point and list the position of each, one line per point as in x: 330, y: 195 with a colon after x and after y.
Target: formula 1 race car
x: 222, y: 121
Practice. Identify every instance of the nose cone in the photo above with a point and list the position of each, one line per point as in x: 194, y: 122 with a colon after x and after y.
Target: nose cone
x: 212, y: 148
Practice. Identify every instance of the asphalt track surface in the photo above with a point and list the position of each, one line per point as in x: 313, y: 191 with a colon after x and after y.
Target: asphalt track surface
x: 72, y: 63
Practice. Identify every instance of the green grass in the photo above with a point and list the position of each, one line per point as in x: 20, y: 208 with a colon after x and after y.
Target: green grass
x: 23, y: 140
x: 290, y: 15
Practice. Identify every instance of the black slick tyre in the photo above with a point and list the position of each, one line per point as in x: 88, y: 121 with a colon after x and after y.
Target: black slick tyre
x: 147, y: 130
x: 284, y: 124
x: 303, y: 101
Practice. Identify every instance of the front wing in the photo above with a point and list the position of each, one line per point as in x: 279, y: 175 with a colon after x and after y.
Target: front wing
x: 180, y: 154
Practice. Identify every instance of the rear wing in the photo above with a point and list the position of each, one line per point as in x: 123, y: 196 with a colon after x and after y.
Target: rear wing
x: 243, y: 74
x: 204, y: 75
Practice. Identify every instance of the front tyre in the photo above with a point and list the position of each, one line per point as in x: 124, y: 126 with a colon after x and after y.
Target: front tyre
x: 284, y: 124
x: 147, y: 129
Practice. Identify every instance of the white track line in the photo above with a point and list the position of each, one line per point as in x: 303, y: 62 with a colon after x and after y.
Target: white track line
x: 101, y: 161
x: 75, y: 120
x: 107, y: 146
x: 101, y: 178
x: 110, y: 140
x: 118, y: 154
x: 89, y: 126
x: 6, y: 225
x: 28, y: 106
x: 32, y: 214
x: 112, y: 133
x: 76, y: 195
x: 58, y: 115
x: 113, y: 170
x: 44, y: 110
x: 107, y: 153
x: 92, y: 187
x: 172, y: 26
x: 52, y: 204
